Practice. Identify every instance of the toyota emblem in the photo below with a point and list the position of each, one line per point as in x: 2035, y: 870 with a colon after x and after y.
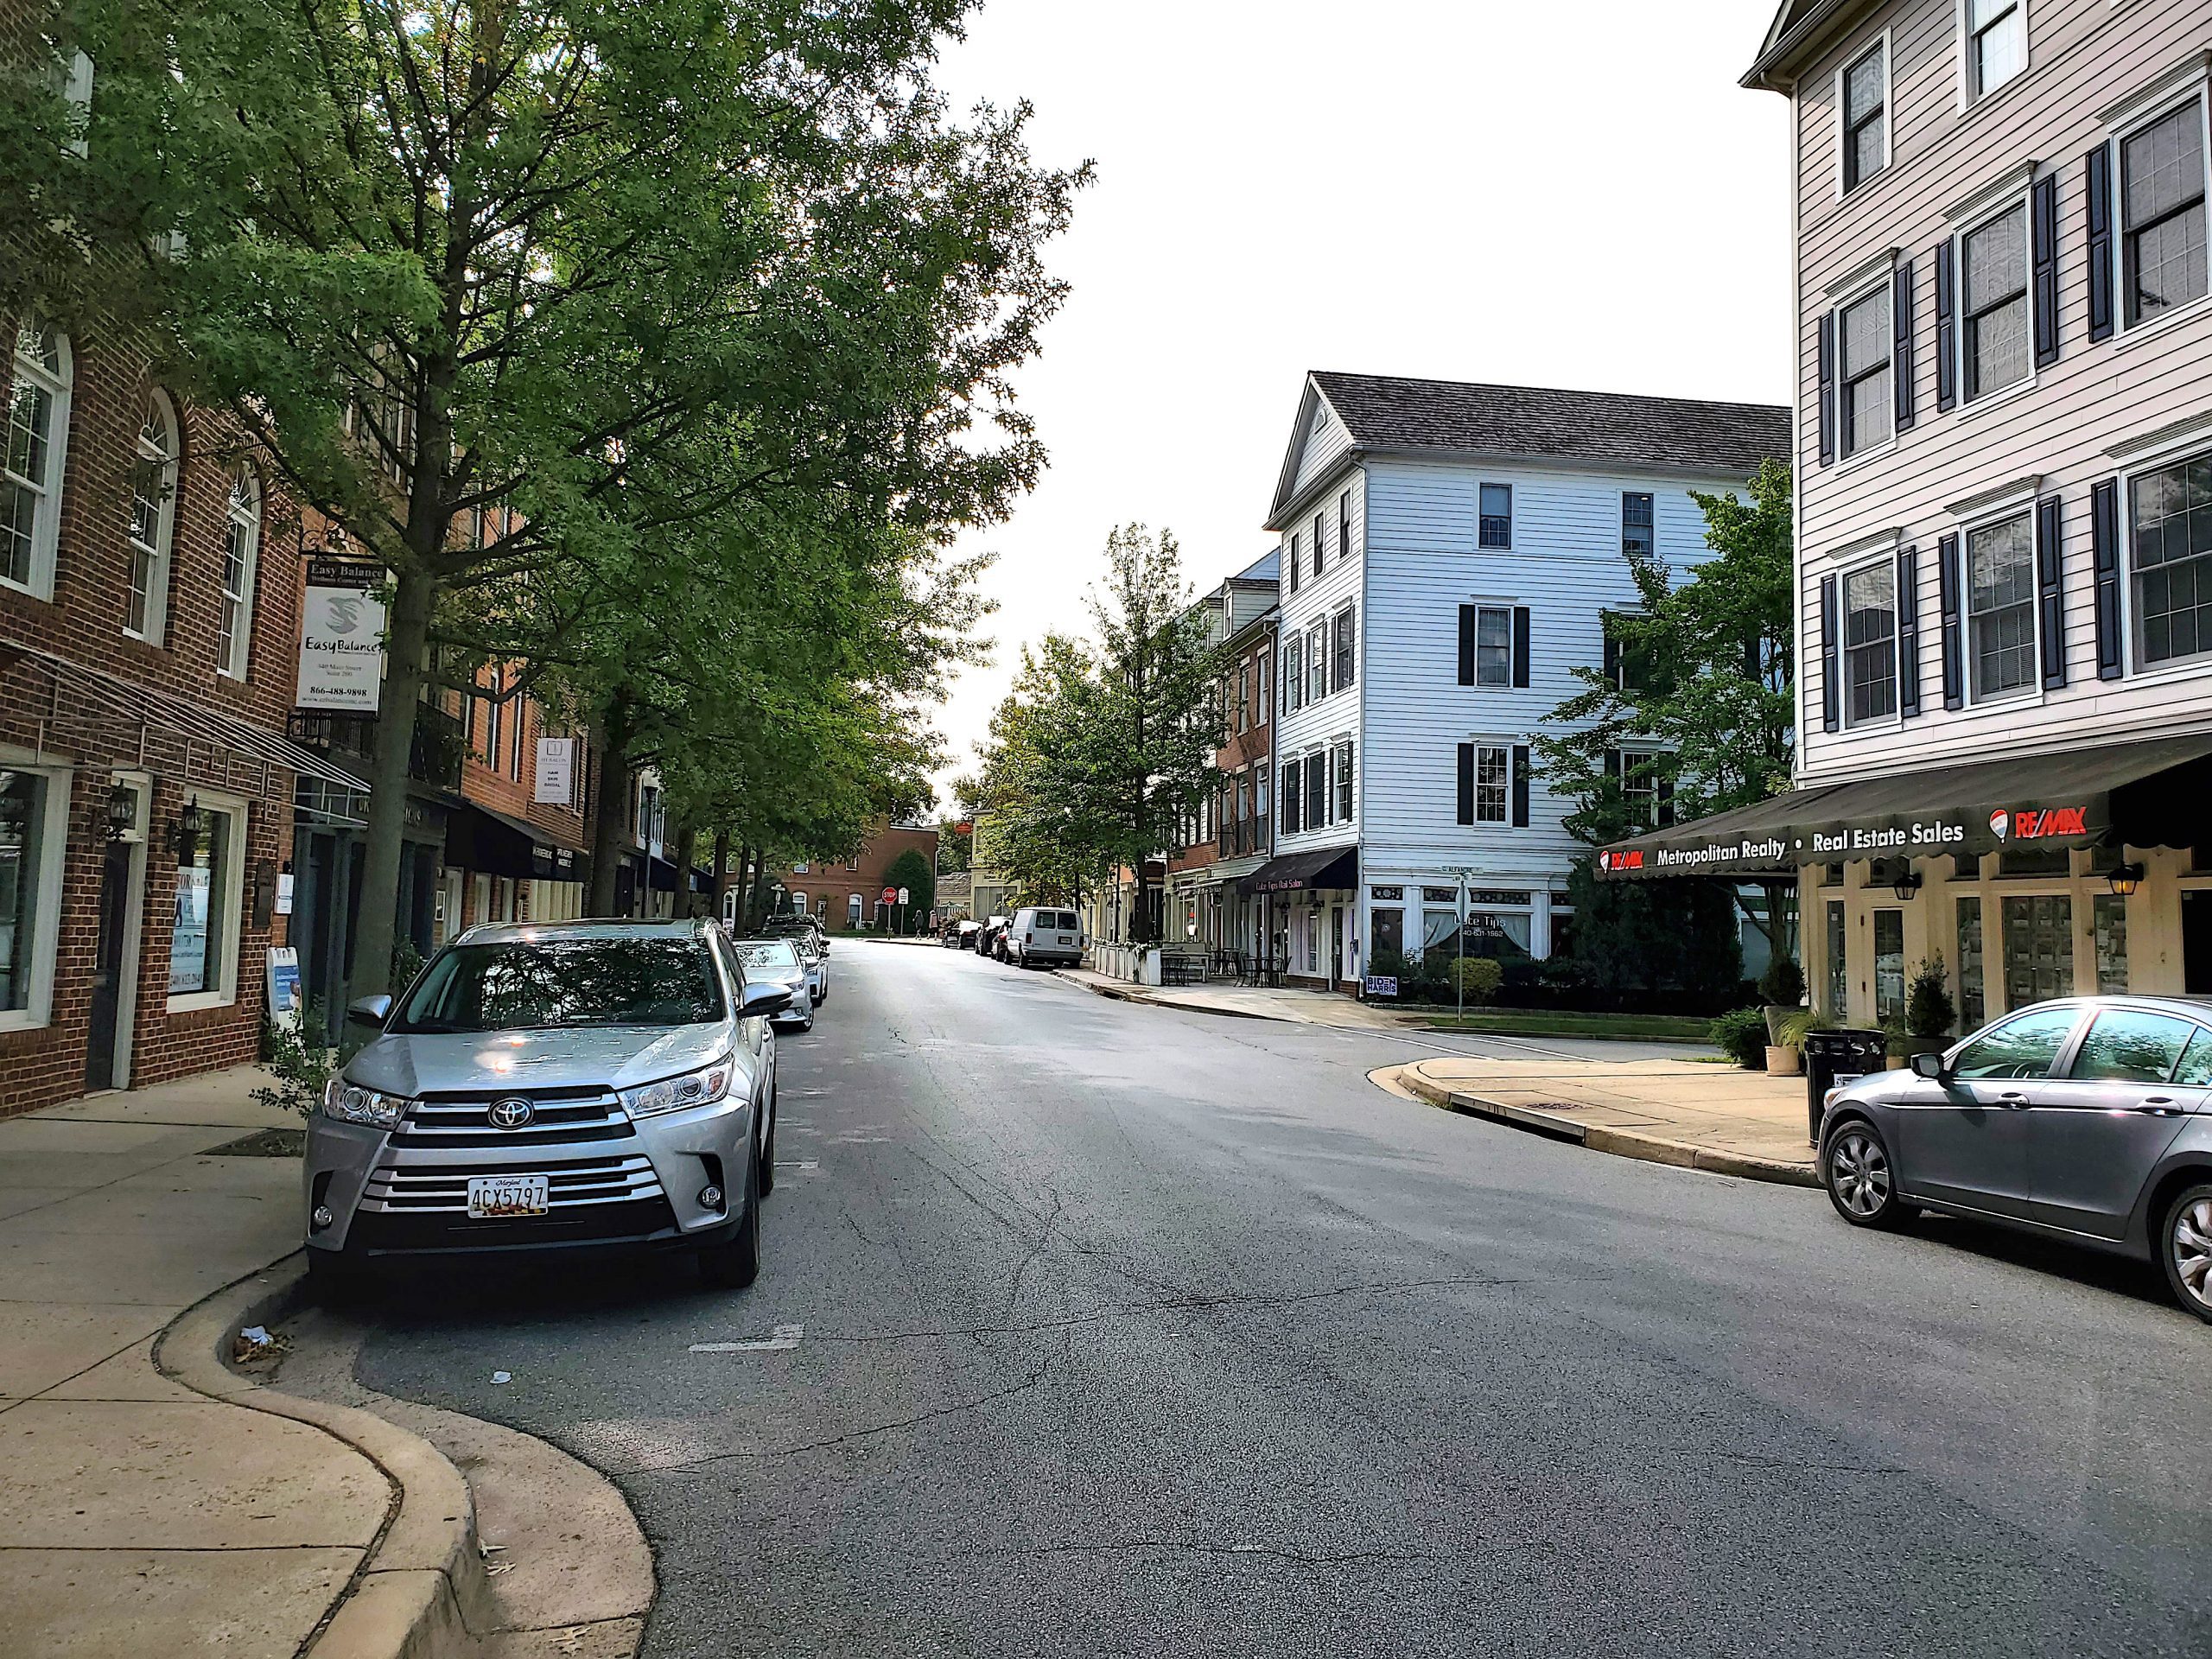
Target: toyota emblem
x: 510, y: 1114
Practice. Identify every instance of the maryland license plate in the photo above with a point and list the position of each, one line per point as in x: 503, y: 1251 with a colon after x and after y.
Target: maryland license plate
x: 508, y: 1195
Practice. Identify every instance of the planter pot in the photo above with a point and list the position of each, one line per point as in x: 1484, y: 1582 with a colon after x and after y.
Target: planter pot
x: 1782, y: 1061
x: 1775, y: 1014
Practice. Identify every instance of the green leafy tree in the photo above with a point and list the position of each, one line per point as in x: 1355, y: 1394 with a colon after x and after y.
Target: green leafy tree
x: 911, y: 872
x: 1032, y: 789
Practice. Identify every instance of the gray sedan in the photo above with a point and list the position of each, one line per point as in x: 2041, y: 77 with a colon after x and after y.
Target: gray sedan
x: 2088, y: 1119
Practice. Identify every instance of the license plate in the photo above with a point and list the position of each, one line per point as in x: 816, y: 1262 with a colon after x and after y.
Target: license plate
x: 508, y: 1195
x: 1846, y: 1079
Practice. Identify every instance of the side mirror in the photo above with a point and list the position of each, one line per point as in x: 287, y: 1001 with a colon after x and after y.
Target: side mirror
x: 760, y: 1001
x: 374, y: 1011
x: 1931, y: 1066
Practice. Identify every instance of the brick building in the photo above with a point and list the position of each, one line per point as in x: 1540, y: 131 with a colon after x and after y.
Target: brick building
x: 846, y: 893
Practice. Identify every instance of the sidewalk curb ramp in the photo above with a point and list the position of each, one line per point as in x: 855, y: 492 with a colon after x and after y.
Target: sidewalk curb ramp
x: 421, y: 1591
x: 1138, y: 994
x: 1622, y: 1143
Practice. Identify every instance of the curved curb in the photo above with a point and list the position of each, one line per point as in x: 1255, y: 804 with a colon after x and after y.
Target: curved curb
x: 1622, y: 1143
x: 1120, y: 996
x: 420, y: 1589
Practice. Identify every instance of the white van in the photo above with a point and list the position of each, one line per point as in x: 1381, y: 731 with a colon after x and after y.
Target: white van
x: 1044, y: 936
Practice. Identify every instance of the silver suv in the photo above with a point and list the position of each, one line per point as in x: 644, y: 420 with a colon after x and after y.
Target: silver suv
x: 574, y: 1085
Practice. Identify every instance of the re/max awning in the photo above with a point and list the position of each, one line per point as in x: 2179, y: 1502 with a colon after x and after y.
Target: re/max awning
x: 2153, y: 792
x: 1323, y: 868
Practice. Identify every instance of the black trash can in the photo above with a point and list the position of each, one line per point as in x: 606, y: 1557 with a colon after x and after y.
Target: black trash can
x: 1832, y: 1054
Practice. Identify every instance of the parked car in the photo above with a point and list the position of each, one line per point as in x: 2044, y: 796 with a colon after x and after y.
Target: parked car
x: 1044, y: 936
x: 777, y: 961
x: 2088, y: 1119
x: 792, y: 924
x: 961, y: 935
x: 554, y: 1087
x: 817, y: 967
x: 991, y: 942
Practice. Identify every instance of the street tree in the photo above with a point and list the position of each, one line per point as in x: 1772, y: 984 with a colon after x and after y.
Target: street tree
x: 1031, y: 786
x: 909, y: 874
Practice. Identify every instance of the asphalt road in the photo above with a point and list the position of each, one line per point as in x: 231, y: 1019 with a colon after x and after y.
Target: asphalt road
x: 1104, y: 1329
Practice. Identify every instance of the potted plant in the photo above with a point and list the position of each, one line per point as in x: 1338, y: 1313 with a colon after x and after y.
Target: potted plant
x: 1783, y: 986
x: 1929, y: 1014
x: 1786, y: 1055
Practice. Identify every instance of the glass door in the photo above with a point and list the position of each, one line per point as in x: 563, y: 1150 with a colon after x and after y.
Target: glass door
x: 2038, y: 948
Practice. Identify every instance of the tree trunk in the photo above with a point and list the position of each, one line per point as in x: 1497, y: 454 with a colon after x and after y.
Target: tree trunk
x: 376, y: 929
x: 610, y: 836
x: 721, y: 870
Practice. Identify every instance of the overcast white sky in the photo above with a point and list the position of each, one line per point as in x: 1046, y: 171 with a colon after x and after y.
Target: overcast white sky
x: 1545, y: 195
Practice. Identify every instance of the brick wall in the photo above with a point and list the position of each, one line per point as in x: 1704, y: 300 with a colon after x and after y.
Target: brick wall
x: 836, y: 880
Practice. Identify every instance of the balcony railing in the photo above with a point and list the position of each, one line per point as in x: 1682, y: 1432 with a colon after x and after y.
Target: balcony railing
x: 433, y: 758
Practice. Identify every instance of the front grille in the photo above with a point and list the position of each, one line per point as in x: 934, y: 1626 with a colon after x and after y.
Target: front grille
x: 636, y: 1220
x: 565, y: 1115
x: 571, y: 1183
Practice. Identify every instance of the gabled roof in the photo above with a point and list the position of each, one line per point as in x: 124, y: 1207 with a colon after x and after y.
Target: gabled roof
x: 1267, y: 568
x: 1800, y: 27
x: 1387, y: 413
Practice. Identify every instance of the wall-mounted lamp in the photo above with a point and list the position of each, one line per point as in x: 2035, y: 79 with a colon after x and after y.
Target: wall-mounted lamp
x: 2125, y: 879
x: 1907, y: 884
x: 184, y: 834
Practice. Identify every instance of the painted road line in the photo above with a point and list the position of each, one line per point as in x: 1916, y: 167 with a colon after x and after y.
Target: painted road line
x: 783, y: 1336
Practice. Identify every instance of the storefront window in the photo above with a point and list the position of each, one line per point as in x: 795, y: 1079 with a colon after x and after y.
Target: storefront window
x: 199, y: 936
x: 2108, y: 922
x: 22, y: 833
x: 1437, y: 927
x: 1888, y: 964
x: 2038, y: 948
x: 1972, y: 1009
x: 1839, y: 978
x: 1390, y: 933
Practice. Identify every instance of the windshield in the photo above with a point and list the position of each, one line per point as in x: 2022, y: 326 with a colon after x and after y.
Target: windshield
x: 535, y: 984
x: 768, y: 955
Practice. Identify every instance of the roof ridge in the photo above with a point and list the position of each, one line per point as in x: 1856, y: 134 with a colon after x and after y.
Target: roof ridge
x: 1561, y: 391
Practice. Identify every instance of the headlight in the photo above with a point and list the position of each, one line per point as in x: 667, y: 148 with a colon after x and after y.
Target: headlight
x: 350, y: 1103
x: 700, y: 1088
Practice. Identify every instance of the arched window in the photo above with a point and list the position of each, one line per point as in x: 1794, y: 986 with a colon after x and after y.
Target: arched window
x: 153, y: 519
x: 37, y: 446
x: 241, y: 555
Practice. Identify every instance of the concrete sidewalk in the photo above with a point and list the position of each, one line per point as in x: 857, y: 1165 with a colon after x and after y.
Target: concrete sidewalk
x: 1245, y: 1001
x: 1697, y: 1115
x: 138, y: 1515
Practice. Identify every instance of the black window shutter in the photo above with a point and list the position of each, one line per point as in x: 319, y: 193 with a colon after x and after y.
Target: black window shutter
x: 1900, y: 347
x: 1520, y: 644
x: 1467, y: 614
x: 2043, y: 237
x: 1317, y: 543
x: 1946, y: 347
x: 1946, y: 575
x: 1520, y: 785
x: 1612, y: 658
x: 1666, y: 787
x: 1909, y: 631
x: 2051, y: 591
x: 1466, y: 783
x: 2104, y: 534
x: 2096, y: 187
x: 1287, y: 795
x: 1825, y: 350
x: 1831, y: 661
x: 1613, y: 767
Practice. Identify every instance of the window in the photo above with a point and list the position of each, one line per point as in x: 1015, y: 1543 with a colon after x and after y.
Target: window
x: 1863, y: 333
x: 2161, y: 213
x: 1260, y: 684
x: 2020, y: 1048
x: 2038, y: 948
x: 1317, y: 543
x: 1259, y: 779
x: 1317, y: 662
x: 1997, y: 44
x: 1870, y: 643
x: 1646, y: 791
x: 494, y: 718
x: 852, y: 910
x: 2109, y: 932
x: 1994, y: 341
x: 1494, y: 645
x: 1495, y: 511
x: 203, y: 933
x: 1293, y: 674
x: 241, y: 556
x: 1343, y: 783
x: 2001, y: 608
x: 1638, y: 539
x: 29, y: 855
x: 1493, y: 783
x: 31, y: 470
x: 1839, y: 969
x: 1888, y: 964
x: 153, y: 519
x: 2170, y: 522
x: 1290, y: 797
x: 1386, y: 931
x: 1293, y: 564
x: 1343, y: 527
x: 2126, y: 1045
x: 1244, y: 695
x: 1972, y: 1009
x: 852, y: 862
x: 1866, y: 126
x: 1342, y: 624
x: 1317, y: 790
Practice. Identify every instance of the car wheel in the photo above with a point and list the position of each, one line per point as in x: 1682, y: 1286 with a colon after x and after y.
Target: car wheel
x: 2185, y: 1246
x: 737, y: 1264
x: 768, y: 1147
x: 1855, y: 1169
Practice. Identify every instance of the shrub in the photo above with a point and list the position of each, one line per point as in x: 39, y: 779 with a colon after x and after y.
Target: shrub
x: 1783, y: 982
x: 1477, y: 978
x: 1929, y: 1010
x: 1741, y: 1035
x: 297, y: 1061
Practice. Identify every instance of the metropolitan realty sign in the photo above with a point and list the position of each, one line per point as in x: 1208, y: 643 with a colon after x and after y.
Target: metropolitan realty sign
x: 1974, y: 829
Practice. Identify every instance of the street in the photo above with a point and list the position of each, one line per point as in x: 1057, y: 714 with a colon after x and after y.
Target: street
x: 1089, y: 1328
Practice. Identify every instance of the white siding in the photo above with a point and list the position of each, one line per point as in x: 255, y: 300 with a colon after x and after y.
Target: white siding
x: 1325, y: 442
x: 1335, y: 718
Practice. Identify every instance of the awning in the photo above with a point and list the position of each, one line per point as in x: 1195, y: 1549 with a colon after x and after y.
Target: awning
x: 1325, y: 867
x: 478, y: 838
x: 2152, y: 793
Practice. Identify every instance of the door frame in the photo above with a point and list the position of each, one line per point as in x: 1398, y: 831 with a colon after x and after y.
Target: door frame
x: 134, y: 925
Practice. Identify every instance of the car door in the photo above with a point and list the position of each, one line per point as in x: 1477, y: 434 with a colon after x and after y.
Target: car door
x: 1963, y: 1141
x: 2095, y: 1133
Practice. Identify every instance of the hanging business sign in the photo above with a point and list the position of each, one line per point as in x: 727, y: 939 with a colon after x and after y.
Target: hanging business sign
x: 556, y: 772
x: 341, y: 637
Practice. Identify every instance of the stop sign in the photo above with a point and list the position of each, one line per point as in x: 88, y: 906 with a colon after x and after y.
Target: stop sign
x: 891, y: 895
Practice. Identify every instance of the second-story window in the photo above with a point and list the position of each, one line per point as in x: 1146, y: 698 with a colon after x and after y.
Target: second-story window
x: 1341, y: 755
x: 2162, y: 182
x: 1870, y: 643
x: 37, y: 441
x: 1996, y: 44
x: 1317, y: 662
x: 1863, y: 341
x: 1317, y: 543
x: 1244, y: 695
x: 1493, y: 782
x: 1344, y: 525
x: 494, y: 714
x: 1292, y: 557
x: 1293, y: 674
x: 153, y: 519
x: 1317, y: 790
x: 2169, y: 521
x: 1494, y: 645
x: 1994, y: 341
x: 1496, y: 515
x: 1865, y: 118
x: 241, y: 554
x: 1344, y: 646
x: 2001, y: 607
x: 1260, y: 684
x: 1638, y: 539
